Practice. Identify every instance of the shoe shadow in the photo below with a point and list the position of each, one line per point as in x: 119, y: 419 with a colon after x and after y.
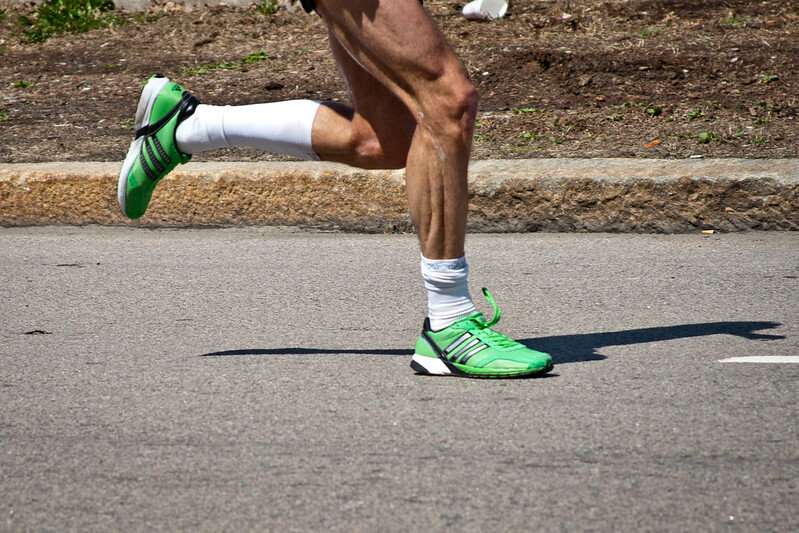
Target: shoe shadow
x: 563, y: 348
x: 308, y: 351
x: 583, y: 347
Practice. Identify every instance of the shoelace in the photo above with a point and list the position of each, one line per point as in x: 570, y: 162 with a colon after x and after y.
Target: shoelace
x: 486, y: 333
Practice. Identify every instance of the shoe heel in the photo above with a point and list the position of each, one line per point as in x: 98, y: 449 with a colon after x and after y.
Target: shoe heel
x: 146, y: 100
x: 429, y: 365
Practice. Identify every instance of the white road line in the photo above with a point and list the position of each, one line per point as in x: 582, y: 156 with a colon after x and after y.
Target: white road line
x: 762, y: 359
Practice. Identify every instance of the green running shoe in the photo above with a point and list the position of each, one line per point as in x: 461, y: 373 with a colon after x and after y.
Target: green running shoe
x: 153, y: 154
x: 470, y: 348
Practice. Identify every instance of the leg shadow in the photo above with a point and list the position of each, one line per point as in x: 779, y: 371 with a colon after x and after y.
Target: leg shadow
x: 583, y: 347
x: 563, y: 348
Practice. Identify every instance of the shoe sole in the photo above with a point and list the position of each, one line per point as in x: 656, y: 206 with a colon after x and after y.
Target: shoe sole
x: 143, y: 111
x: 435, y: 367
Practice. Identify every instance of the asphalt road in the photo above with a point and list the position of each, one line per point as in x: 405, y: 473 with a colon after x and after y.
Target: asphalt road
x: 258, y: 379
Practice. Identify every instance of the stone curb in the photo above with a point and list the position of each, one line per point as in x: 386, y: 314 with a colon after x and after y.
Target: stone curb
x: 619, y: 195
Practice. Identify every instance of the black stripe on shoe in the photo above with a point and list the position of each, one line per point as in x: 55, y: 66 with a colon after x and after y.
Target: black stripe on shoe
x: 432, y: 343
x: 146, y: 167
x: 463, y: 348
x: 150, y: 152
x: 160, y: 148
x: 468, y: 355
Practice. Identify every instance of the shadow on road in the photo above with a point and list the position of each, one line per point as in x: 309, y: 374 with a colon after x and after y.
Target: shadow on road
x: 578, y: 348
x: 307, y: 351
x: 563, y: 348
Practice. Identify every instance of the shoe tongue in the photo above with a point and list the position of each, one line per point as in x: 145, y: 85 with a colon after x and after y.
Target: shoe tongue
x: 470, y: 320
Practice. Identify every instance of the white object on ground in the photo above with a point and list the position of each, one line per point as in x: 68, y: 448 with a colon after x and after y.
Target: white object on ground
x: 762, y: 359
x: 485, y: 9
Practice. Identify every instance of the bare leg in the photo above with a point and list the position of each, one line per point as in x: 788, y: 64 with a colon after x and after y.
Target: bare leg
x: 375, y: 132
x: 397, y: 43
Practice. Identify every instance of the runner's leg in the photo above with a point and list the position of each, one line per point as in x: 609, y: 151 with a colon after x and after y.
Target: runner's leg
x: 398, y: 44
x: 376, y: 132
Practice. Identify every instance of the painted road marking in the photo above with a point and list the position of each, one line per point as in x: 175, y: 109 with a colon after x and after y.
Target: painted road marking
x: 762, y: 359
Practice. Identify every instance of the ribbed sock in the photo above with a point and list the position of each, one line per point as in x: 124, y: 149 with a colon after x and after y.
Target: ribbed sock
x: 447, y: 284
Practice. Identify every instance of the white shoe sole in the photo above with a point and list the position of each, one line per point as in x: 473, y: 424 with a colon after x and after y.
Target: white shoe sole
x: 143, y: 111
x: 429, y: 365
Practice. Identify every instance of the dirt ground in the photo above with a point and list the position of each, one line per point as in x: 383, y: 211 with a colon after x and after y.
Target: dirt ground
x: 613, y: 78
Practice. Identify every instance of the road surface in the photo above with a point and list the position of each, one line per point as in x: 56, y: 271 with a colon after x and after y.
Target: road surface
x: 258, y: 379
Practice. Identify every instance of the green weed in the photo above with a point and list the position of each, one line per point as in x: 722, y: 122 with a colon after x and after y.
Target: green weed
x: 525, y: 110
x: 255, y: 57
x: 147, y: 17
x: 654, y: 111
x: 529, y: 136
x: 267, y: 7
x: 734, y: 20
x: 22, y: 84
x: 695, y: 114
x: 649, y: 31
x: 768, y: 78
x: 759, y: 140
x: 3, y: 115
x: 55, y: 17
x: 207, y: 68
x: 706, y: 137
x: 202, y: 70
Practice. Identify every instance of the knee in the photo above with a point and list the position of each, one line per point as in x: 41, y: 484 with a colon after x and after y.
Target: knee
x: 452, y: 108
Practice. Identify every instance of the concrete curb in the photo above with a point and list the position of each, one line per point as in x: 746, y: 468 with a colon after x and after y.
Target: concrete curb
x: 621, y: 195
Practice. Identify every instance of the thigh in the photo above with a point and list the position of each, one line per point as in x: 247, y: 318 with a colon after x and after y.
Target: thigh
x: 397, y: 43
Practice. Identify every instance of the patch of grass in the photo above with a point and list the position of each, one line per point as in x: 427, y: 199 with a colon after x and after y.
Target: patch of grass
x: 255, y: 57
x: 529, y: 136
x: 55, y: 17
x: 706, y: 137
x: 3, y: 115
x: 562, y: 126
x: 759, y: 140
x: 525, y: 110
x: 649, y: 31
x: 654, y: 111
x: 147, y: 17
x: 22, y: 84
x: 207, y: 68
x: 734, y: 20
x: 694, y: 114
x: 267, y: 7
x: 202, y: 70
x: 768, y: 78
x: 2, y: 15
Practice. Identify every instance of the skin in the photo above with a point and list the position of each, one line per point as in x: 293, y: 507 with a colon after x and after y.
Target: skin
x: 412, y: 106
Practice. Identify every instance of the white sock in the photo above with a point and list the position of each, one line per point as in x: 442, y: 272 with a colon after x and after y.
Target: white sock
x: 447, y: 284
x: 278, y: 127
